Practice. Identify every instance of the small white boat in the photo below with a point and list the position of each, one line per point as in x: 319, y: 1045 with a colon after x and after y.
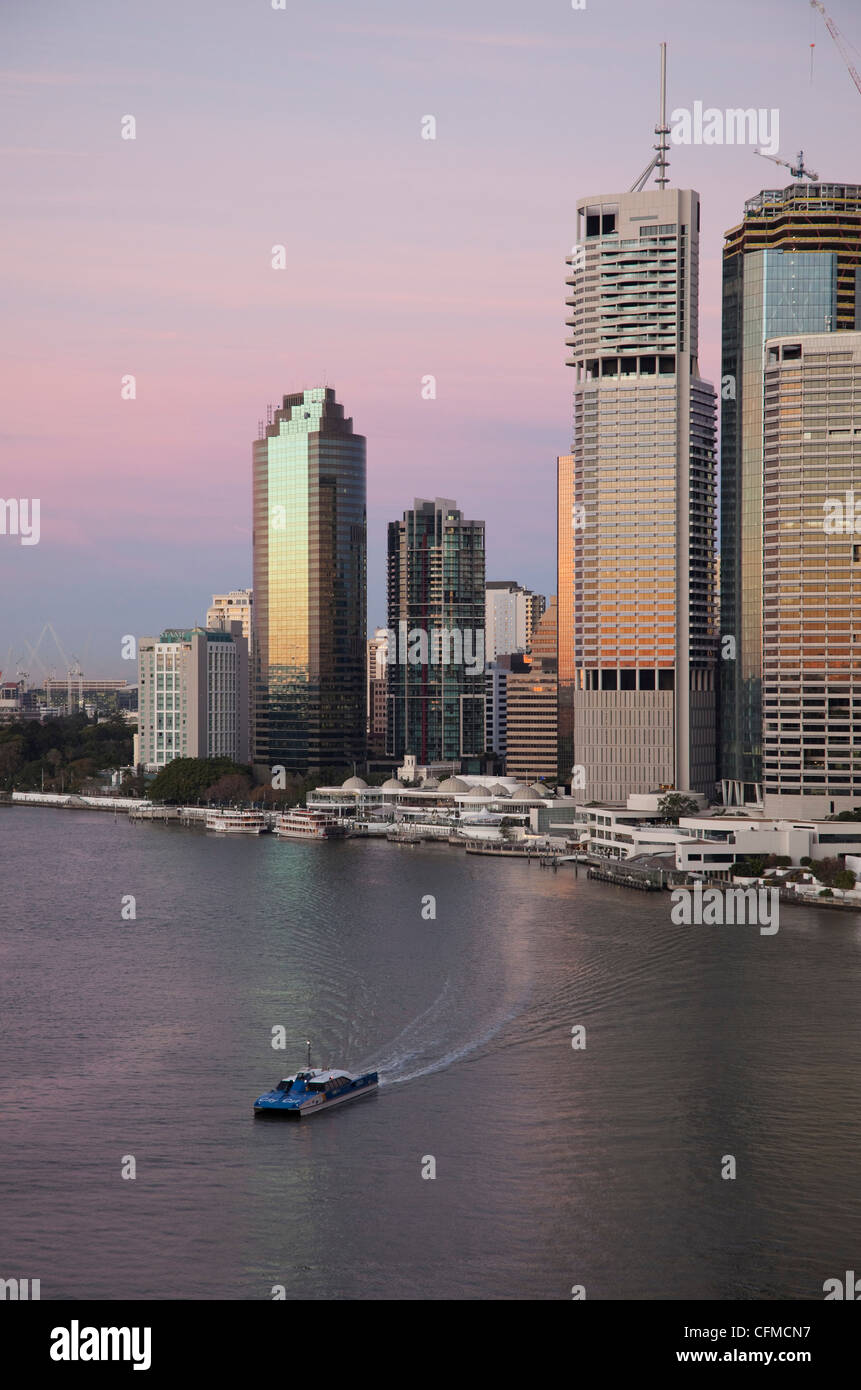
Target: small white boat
x: 236, y: 822
x: 300, y: 824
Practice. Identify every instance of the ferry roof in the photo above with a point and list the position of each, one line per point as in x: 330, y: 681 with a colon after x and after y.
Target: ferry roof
x: 316, y: 1074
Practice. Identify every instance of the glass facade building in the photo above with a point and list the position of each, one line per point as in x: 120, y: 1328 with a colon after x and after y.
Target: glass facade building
x: 310, y: 562
x: 436, y: 598
x: 791, y: 267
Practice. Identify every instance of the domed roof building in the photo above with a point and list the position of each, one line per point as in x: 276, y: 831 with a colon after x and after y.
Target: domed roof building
x: 452, y: 785
x: 354, y: 784
x: 520, y: 792
x: 394, y: 784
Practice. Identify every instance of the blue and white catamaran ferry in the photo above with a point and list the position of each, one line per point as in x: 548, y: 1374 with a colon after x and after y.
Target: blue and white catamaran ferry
x: 313, y: 1090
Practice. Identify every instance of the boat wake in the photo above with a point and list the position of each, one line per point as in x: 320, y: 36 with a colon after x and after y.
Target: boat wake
x: 415, y: 1051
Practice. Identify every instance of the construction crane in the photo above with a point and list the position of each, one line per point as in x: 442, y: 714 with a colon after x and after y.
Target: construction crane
x: 797, y: 170
x: 839, y: 41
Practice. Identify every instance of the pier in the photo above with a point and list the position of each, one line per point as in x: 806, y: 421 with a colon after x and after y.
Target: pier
x: 646, y: 880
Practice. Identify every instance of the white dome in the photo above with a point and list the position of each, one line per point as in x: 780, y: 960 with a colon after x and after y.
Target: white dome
x: 393, y: 785
x: 453, y: 784
x: 480, y: 792
x: 520, y: 792
x: 429, y: 784
x: 354, y: 784
x: 499, y: 790
x: 541, y: 789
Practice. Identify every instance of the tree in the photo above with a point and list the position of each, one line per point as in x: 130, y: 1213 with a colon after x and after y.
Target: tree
x: 673, y: 806
x: 11, y: 760
x: 831, y: 870
x: 233, y: 786
x: 189, y: 779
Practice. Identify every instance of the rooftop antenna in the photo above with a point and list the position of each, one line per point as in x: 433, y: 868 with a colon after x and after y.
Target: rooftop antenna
x: 659, y: 160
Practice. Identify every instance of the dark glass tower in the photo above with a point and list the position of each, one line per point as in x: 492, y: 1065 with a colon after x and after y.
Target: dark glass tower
x: 436, y: 609
x: 310, y: 544
x: 791, y: 267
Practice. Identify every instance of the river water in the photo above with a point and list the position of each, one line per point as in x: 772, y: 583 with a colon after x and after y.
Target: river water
x: 148, y: 1039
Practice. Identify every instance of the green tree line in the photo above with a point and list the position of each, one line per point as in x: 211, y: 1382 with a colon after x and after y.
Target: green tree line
x: 68, y: 752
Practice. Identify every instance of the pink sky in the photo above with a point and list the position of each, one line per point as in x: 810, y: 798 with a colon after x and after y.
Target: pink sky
x: 404, y: 257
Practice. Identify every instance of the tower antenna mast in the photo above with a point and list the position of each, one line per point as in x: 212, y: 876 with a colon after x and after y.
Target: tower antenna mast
x: 659, y: 160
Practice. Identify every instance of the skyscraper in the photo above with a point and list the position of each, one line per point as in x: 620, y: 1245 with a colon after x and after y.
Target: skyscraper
x: 790, y: 267
x: 193, y: 696
x: 811, y: 571
x: 636, y: 497
x: 436, y: 573
x: 309, y: 587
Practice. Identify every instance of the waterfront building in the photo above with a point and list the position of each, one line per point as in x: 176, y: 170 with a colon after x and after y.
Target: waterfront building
x: 436, y: 606
x: 531, y: 747
x: 637, y: 505
x: 309, y: 630
x: 511, y: 614
x: 811, y: 575
x: 447, y: 795
x: 193, y: 696
x: 705, y: 845
x: 377, y: 690
x: 791, y: 266
x: 235, y: 606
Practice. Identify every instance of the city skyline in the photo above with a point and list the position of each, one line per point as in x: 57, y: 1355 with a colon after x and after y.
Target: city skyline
x: 201, y: 320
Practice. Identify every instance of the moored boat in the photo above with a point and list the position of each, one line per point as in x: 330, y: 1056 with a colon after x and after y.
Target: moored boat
x: 301, y: 824
x: 236, y: 822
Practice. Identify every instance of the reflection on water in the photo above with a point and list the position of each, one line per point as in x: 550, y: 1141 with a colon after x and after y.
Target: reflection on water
x: 553, y: 1166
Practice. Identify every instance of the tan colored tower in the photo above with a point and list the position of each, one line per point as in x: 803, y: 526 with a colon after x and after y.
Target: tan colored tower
x: 637, y: 500
x: 532, y: 718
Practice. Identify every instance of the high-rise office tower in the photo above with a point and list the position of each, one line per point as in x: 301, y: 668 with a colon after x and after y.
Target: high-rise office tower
x: 790, y: 267
x: 511, y: 615
x: 636, y: 595
x: 811, y: 575
x: 436, y: 583
x: 377, y: 677
x: 193, y: 696
x: 309, y: 587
